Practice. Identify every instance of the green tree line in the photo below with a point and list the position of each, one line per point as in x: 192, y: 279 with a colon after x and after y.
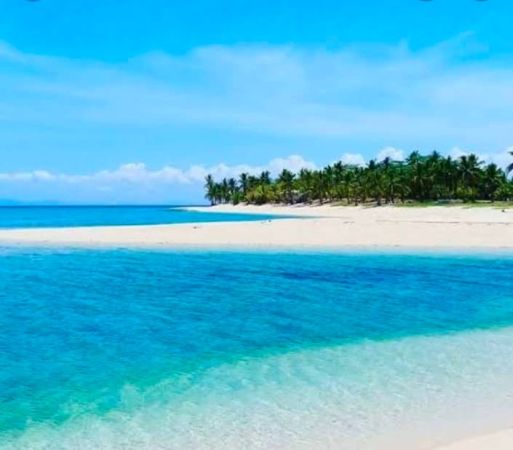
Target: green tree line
x: 419, y: 178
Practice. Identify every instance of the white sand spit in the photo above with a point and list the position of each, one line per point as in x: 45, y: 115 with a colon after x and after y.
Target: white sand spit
x: 319, y: 227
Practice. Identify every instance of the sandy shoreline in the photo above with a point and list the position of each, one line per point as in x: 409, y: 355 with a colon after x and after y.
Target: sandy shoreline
x: 502, y: 440
x: 323, y: 227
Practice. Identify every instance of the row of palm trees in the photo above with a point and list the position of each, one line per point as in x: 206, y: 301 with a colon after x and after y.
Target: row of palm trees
x: 420, y: 178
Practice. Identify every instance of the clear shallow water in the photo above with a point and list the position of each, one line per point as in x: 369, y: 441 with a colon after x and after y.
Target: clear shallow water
x: 146, y: 349
x: 87, y: 216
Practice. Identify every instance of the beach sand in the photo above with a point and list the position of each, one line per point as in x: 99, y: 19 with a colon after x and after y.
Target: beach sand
x: 326, y: 227
x: 502, y: 440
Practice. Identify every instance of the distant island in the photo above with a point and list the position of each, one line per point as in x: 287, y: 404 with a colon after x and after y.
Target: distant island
x: 419, y: 178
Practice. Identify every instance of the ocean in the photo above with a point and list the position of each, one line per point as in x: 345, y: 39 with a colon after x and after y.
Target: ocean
x: 87, y: 216
x: 178, y: 349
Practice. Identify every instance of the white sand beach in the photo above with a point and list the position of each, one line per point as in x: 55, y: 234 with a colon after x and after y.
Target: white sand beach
x: 329, y: 227
x: 502, y: 440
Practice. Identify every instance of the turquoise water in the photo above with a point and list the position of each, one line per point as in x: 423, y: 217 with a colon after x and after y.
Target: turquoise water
x: 124, y: 349
x: 86, y: 216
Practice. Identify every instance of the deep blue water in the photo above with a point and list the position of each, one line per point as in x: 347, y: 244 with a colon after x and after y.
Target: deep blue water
x: 86, y: 216
x: 78, y: 326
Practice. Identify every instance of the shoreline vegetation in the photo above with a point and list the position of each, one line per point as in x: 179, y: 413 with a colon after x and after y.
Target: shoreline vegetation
x: 420, y: 179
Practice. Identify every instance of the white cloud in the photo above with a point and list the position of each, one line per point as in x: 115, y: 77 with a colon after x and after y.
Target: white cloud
x: 139, y: 173
x: 353, y: 159
x: 457, y: 152
x: 293, y: 163
x: 35, y: 175
x: 502, y: 158
x: 393, y: 153
x: 387, y: 92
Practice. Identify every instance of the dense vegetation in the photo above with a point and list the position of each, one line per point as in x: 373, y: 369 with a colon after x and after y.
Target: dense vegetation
x: 419, y: 178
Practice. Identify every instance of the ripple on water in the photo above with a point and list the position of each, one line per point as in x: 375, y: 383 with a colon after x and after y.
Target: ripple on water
x: 121, y: 349
x: 408, y: 392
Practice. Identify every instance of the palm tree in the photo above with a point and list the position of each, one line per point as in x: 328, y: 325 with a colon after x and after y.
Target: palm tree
x: 434, y: 186
x: 225, y: 191
x: 374, y: 181
x: 210, y: 188
x: 339, y: 184
x: 319, y: 186
x: 328, y: 176
x: 421, y: 178
x: 509, y: 169
x: 261, y: 194
x: 305, y: 183
x: 394, y: 182
x: 265, y: 177
x: 493, y: 178
x: 350, y: 184
x: 286, y: 185
x: 244, y: 183
x: 417, y: 174
x: 448, y: 177
x: 469, y: 167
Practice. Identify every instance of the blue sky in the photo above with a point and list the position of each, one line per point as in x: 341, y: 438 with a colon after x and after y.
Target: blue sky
x: 134, y: 101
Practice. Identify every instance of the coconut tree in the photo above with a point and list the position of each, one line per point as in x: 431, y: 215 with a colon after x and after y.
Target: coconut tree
x: 434, y: 183
x: 447, y: 177
x: 492, y: 180
x: 393, y: 180
x: 339, y: 185
x: 319, y: 185
x: 305, y: 184
x: 510, y: 167
x: 374, y: 181
x: 210, y: 189
x: 286, y: 186
x: 469, y: 168
x: 265, y: 177
x: 328, y: 179
x: 350, y: 184
x: 418, y: 176
x: 243, y: 184
x: 430, y: 177
x: 261, y: 194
